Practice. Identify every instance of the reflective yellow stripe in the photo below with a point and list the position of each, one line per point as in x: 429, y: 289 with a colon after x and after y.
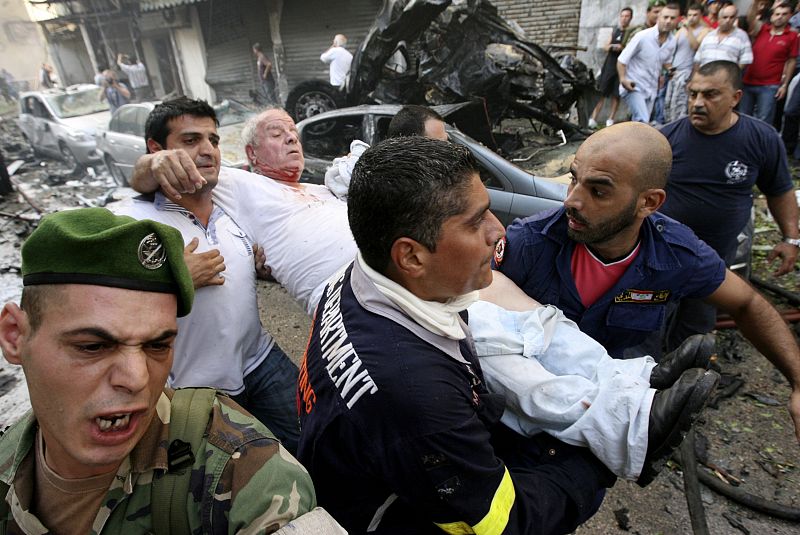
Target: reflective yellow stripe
x: 456, y: 528
x: 496, y: 519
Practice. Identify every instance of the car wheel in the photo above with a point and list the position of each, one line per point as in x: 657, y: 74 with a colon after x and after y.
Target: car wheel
x: 311, y: 98
x: 116, y: 173
x: 69, y: 157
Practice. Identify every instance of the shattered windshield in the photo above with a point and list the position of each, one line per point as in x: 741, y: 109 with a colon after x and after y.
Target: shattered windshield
x: 231, y: 112
x: 77, y: 103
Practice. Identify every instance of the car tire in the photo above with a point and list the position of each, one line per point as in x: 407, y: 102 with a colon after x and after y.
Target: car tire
x: 116, y: 174
x: 311, y: 98
x: 69, y: 158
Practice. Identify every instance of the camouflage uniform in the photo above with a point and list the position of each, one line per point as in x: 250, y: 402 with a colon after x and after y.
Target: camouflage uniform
x: 259, y: 494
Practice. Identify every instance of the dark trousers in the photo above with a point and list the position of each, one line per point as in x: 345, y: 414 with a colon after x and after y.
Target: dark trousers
x: 791, y: 123
x: 568, y: 482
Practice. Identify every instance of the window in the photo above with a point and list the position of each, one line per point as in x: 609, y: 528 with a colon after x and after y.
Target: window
x: 125, y: 121
x: 331, y: 138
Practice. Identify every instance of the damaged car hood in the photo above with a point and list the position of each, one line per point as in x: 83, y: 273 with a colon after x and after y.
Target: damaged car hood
x: 461, y: 50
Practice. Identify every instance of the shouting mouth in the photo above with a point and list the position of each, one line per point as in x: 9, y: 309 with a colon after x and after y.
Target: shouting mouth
x: 113, y: 422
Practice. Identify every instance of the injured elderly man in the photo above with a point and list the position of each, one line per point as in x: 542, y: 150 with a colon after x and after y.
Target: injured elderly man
x: 630, y: 413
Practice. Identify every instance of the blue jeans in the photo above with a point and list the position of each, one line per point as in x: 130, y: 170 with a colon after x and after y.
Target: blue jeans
x: 270, y: 394
x: 759, y: 101
x: 639, y: 106
x: 660, y: 103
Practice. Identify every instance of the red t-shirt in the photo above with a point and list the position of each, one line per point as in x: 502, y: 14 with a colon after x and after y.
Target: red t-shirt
x: 711, y: 24
x: 770, y: 53
x: 592, y: 277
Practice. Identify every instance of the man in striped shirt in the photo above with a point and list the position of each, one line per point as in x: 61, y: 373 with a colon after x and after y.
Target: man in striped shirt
x: 727, y: 42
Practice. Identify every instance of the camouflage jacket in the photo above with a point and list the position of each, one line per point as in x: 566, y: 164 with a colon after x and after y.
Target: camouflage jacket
x: 244, y: 480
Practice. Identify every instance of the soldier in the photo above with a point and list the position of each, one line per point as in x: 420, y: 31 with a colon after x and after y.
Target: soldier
x: 94, y: 334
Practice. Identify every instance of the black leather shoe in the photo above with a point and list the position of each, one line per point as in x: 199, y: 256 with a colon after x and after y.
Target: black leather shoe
x: 671, y: 416
x: 694, y: 352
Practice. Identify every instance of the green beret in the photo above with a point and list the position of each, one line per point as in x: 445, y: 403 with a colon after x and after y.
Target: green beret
x: 94, y: 246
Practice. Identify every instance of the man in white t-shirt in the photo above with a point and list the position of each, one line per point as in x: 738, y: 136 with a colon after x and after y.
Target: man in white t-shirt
x: 339, y: 59
x: 639, y: 65
x: 303, y: 228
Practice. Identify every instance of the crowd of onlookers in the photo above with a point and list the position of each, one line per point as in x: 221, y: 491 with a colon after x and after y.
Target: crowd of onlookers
x: 649, y: 65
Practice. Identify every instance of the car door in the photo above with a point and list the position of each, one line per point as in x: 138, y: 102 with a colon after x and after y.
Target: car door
x: 26, y: 119
x: 125, y: 137
x: 44, y: 128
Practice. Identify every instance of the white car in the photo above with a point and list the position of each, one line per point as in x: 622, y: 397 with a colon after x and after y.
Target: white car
x: 62, y: 123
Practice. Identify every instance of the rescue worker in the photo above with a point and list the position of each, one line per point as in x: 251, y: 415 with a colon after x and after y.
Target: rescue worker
x: 398, y: 429
x: 613, y: 264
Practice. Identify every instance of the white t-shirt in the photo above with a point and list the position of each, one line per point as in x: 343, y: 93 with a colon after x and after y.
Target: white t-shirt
x: 303, y: 229
x: 222, y: 339
x: 643, y: 58
x: 340, y: 60
x: 734, y: 47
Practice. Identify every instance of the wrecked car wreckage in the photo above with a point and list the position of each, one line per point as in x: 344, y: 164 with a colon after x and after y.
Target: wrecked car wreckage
x: 456, y: 51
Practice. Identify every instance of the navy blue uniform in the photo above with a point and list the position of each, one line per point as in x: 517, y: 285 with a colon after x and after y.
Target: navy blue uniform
x: 672, y: 264
x: 401, y: 435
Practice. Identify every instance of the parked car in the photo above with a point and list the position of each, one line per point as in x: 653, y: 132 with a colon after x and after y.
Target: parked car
x: 62, y: 123
x: 122, y: 142
x: 514, y: 192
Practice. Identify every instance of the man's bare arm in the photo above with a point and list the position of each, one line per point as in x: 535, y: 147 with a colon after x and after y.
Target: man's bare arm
x: 504, y: 293
x: 171, y: 170
x: 622, y: 70
x: 694, y: 41
x: 784, y: 209
x: 763, y: 326
x: 754, y: 16
x: 786, y: 77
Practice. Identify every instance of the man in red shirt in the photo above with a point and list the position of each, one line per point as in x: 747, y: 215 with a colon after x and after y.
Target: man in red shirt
x: 774, y: 59
x: 713, y: 10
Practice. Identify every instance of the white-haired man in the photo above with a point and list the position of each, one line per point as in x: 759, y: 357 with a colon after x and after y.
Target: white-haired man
x: 302, y: 227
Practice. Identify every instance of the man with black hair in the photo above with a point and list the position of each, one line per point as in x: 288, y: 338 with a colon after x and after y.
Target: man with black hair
x: 414, y: 120
x: 718, y: 155
x: 221, y: 343
x: 640, y: 64
x: 613, y: 264
x: 94, y: 333
x: 398, y: 427
x: 775, y: 47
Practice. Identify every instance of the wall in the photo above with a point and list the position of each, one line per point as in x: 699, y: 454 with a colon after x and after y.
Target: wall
x: 22, y: 47
x: 553, y: 22
x: 190, y: 53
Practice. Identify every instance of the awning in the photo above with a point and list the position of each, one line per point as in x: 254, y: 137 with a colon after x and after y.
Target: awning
x: 155, y: 5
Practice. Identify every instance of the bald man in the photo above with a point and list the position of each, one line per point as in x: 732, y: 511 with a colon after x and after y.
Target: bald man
x: 612, y: 263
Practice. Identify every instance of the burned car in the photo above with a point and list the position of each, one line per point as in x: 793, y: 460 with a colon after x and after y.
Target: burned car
x: 513, y: 192
x: 454, y: 51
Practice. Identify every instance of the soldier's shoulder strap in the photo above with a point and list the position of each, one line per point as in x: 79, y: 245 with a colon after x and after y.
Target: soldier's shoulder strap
x: 189, y: 415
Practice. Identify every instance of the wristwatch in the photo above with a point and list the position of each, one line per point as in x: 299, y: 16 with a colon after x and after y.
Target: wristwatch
x: 792, y: 241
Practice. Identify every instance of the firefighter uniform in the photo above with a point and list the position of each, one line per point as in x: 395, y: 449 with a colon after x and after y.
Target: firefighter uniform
x: 401, y: 435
